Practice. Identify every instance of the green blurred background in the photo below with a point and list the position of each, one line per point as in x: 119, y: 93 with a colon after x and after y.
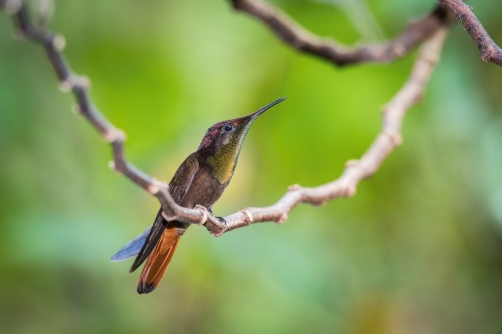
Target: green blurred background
x: 418, y: 250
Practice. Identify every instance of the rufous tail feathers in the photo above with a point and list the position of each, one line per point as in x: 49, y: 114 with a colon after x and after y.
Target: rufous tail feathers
x: 158, y: 260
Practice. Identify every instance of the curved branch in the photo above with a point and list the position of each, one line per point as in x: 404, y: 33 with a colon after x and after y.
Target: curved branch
x: 490, y: 52
x: 303, y: 40
x: 345, y: 186
x: 79, y: 85
x: 355, y: 170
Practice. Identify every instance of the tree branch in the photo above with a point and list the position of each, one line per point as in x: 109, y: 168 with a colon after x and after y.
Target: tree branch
x: 79, y: 85
x: 303, y: 40
x: 490, y: 52
x: 345, y: 186
x: 355, y: 170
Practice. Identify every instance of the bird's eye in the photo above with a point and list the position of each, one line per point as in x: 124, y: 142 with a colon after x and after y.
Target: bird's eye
x: 228, y: 127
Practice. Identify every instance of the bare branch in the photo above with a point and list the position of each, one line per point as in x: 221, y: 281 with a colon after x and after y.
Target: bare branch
x: 303, y: 40
x: 355, y: 170
x: 490, y: 52
x: 79, y: 85
x: 345, y: 186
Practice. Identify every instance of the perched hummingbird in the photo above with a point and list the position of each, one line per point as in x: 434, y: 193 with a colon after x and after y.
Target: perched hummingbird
x: 201, y: 179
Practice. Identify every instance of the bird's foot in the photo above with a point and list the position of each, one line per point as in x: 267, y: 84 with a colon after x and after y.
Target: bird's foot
x: 215, y: 225
x: 221, y: 225
x: 222, y: 220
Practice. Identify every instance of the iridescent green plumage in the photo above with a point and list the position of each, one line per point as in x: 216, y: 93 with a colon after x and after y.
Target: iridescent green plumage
x: 225, y: 159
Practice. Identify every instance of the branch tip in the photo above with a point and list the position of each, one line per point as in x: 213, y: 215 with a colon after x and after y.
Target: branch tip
x: 82, y: 81
x: 114, y: 135
x: 295, y: 187
x: 59, y: 42
x: 66, y: 86
x: 353, y: 163
x: 111, y: 165
x: 249, y: 216
x: 395, y: 137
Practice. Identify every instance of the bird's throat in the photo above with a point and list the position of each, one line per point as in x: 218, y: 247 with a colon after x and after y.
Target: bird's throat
x: 223, y: 163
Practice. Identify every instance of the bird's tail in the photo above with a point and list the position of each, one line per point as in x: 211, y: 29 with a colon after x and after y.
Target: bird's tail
x: 158, y: 260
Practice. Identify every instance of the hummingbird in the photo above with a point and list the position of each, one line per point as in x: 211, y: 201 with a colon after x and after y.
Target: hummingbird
x: 200, y: 180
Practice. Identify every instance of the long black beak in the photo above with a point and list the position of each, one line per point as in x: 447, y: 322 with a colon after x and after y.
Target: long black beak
x: 268, y: 106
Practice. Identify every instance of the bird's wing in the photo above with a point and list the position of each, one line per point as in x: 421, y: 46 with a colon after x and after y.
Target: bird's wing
x: 178, y: 188
x: 182, y: 179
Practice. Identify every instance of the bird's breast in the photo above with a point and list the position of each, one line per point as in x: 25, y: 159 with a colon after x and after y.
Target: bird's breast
x: 205, y: 190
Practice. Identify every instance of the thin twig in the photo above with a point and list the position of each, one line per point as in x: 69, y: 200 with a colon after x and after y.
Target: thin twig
x: 345, y: 186
x: 303, y: 40
x: 490, y: 52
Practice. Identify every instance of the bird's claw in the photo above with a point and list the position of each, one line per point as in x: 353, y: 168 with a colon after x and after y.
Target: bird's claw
x: 221, y: 225
x: 219, y: 222
x: 222, y: 221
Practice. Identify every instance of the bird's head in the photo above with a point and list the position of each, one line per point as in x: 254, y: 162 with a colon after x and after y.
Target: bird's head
x: 232, y: 131
x: 223, y: 141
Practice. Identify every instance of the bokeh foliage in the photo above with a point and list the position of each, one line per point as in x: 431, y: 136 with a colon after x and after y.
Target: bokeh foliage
x: 418, y: 250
